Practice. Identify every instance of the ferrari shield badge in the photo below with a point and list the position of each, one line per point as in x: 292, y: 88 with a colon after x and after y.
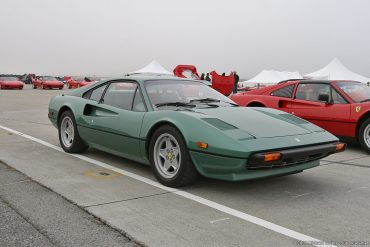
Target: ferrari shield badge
x: 358, y: 108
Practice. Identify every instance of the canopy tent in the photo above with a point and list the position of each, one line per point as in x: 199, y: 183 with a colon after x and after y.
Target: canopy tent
x: 153, y: 68
x: 335, y: 70
x: 271, y: 77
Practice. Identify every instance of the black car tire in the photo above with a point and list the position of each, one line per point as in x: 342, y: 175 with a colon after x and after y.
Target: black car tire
x: 362, y: 133
x: 78, y: 145
x: 186, y: 173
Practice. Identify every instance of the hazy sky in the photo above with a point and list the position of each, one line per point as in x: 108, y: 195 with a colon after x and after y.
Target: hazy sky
x: 113, y: 37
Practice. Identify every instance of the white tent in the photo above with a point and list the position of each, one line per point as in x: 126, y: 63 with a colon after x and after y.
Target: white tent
x: 271, y: 77
x: 153, y: 68
x: 335, y: 70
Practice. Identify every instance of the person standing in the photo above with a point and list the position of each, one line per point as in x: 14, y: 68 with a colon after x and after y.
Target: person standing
x: 202, y: 77
x: 236, y: 80
x: 207, y: 77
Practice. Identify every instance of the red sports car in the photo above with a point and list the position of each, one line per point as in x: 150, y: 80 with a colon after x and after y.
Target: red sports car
x: 76, y: 82
x: 47, y: 82
x: 340, y: 107
x: 10, y: 82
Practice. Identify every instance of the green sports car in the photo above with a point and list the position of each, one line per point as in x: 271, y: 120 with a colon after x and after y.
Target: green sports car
x: 183, y: 128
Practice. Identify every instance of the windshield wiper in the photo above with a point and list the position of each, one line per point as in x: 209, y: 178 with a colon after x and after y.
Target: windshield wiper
x: 175, y: 104
x: 365, y: 100
x: 205, y: 100
x: 210, y: 100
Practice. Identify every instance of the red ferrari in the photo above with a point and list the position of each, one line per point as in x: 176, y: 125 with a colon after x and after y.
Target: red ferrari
x: 76, y: 82
x: 10, y: 82
x: 340, y: 107
x: 47, y: 82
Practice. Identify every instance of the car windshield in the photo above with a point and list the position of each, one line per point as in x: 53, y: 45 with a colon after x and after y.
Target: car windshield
x: 181, y: 93
x: 48, y: 78
x: 8, y: 78
x: 358, y: 92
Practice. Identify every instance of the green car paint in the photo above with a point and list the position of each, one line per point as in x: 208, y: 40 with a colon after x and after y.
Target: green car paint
x: 233, y: 134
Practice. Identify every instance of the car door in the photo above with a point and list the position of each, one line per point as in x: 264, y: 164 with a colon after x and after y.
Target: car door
x: 322, y: 105
x: 114, y: 122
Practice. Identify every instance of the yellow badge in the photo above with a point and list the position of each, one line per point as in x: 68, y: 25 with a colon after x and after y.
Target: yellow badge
x: 358, y: 108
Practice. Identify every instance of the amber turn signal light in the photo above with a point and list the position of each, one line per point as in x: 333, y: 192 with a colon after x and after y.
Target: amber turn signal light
x: 202, y: 145
x: 272, y: 156
x: 340, y: 147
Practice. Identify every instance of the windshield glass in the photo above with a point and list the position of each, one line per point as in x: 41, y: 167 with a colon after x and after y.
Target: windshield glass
x: 48, y: 78
x: 8, y: 78
x: 357, y: 91
x: 184, y: 93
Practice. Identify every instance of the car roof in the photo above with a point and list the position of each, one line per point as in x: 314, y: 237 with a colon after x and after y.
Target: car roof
x: 317, y: 81
x: 147, y: 77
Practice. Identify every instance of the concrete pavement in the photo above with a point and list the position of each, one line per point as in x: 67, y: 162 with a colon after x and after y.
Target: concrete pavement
x: 32, y: 215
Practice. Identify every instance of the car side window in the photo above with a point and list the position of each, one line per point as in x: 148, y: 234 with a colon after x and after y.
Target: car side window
x: 138, y: 104
x: 285, y: 92
x: 95, y: 94
x: 120, y: 95
x: 337, y: 98
x: 311, y: 91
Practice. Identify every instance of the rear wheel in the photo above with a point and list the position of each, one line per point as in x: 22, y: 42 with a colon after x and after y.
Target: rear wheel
x: 364, y: 135
x: 170, y: 159
x: 69, y: 137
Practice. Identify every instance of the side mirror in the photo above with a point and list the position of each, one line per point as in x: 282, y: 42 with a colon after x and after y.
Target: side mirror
x: 325, y: 98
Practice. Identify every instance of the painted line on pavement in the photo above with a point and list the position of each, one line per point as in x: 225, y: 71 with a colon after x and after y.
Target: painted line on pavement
x: 241, y: 215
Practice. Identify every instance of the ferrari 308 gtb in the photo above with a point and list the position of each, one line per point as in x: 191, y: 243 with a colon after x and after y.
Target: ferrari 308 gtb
x: 183, y: 128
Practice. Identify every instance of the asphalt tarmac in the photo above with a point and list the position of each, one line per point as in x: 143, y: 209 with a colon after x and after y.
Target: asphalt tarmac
x: 324, y: 205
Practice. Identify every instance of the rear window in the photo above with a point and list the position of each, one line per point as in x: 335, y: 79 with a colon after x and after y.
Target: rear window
x: 286, y: 92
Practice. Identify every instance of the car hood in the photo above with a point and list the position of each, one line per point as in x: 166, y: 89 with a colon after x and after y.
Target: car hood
x: 241, y: 122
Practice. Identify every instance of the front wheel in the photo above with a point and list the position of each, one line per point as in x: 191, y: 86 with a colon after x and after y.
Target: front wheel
x: 170, y: 159
x: 69, y: 137
x: 34, y: 86
x: 364, y: 135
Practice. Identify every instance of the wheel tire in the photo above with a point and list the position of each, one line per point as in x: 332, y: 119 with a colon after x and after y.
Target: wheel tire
x: 69, y: 86
x: 186, y: 172
x: 364, y: 132
x: 77, y: 145
x: 34, y: 86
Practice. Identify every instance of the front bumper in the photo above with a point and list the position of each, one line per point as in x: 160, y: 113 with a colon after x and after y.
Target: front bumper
x: 11, y: 86
x: 293, y: 156
x: 238, y: 169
